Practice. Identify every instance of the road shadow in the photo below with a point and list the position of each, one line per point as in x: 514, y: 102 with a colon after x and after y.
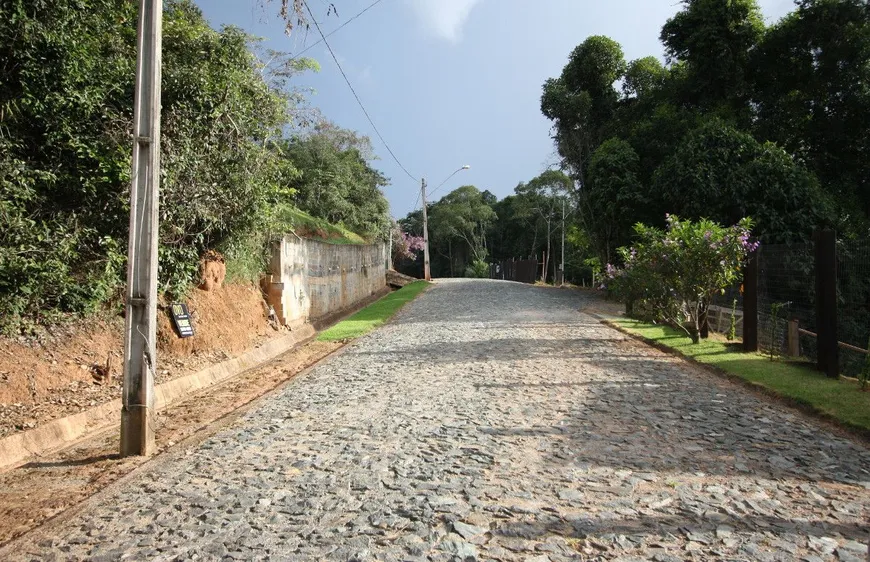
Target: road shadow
x: 73, y: 462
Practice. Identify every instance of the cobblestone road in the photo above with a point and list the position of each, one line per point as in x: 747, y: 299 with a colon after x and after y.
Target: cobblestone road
x: 493, y: 421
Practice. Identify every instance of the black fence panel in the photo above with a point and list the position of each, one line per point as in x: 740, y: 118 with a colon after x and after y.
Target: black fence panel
x: 523, y: 271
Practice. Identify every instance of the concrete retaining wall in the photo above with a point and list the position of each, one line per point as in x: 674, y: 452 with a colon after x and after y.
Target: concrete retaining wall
x: 311, y: 280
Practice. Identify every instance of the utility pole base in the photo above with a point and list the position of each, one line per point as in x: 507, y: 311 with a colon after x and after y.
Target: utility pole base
x: 137, y: 431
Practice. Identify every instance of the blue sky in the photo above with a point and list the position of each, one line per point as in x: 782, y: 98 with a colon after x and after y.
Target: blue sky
x: 454, y: 82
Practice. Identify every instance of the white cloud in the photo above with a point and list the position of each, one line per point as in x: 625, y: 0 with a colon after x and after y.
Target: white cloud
x: 444, y: 18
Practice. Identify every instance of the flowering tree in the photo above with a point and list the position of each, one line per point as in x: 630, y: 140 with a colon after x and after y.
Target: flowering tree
x: 675, y: 272
x: 405, y: 246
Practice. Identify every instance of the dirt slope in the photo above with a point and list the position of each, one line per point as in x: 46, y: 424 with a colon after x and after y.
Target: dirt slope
x: 65, y: 372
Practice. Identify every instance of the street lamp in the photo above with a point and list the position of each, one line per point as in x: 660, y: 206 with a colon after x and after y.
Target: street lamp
x: 426, y: 273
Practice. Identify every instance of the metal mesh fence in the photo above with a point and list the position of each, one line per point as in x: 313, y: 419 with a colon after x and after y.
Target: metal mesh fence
x: 787, y: 291
x: 853, y: 302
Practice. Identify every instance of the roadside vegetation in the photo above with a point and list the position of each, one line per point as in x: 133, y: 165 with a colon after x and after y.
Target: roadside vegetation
x: 374, y: 315
x: 244, y: 156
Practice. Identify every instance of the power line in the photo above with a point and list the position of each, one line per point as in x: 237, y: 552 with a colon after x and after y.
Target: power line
x: 336, y: 30
x: 349, y: 85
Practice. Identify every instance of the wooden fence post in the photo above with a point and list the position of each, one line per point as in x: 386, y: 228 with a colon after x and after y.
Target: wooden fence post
x: 794, y: 338
x: 825, y: 242
x: 750, y: 303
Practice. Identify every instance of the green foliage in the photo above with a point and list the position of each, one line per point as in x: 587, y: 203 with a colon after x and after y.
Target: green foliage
x: 718, y: 171
x: 732, y: 327
x: 477, y: 269
x: 744, y: 120
x: 66, y: 98
x: 220, y: 177
x: 337, y: 182
x: 643, y: 77
x: 675, y: 273
x: 540, y: 202
x: 775, y: 309
x: 810, y: 73
x: 614, y: 197
x: 374, y: 315
x: 291, y: 218
x: 462, y: 217
x: 583, y: 99
x: 714, y: 39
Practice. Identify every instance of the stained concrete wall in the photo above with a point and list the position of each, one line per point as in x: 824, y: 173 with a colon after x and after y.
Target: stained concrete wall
x: 310, y: 280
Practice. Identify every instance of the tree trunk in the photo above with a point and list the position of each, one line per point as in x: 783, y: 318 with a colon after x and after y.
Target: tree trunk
x: 704, y: 327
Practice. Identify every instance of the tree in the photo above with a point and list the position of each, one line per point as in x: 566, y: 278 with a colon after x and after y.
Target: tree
x: 723, y: 174
x: 674, y: 273
x: 336, y: 181
x: 810, y: 76
x: 462, y: 215
x: 643, y: 77
x: 614, y: 198
x: 582, y: 100
x: 542, y: 198
x: 66, y: 101
x: 714, y: 38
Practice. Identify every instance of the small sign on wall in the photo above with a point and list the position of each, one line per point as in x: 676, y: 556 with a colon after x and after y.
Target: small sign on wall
x: 181, y: 319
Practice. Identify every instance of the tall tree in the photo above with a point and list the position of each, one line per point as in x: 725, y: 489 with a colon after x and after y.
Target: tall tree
x: 337, y: 181
x: 811, y: 75
x: 723, y: 174
x: 542, y: 198
x: 614, y: 199
x: 581, y: 101
x: 715, y: 38
x: 463, y: 215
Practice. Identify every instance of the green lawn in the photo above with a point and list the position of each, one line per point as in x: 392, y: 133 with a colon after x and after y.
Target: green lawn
x: 373, y: 315
x: 840, y: 399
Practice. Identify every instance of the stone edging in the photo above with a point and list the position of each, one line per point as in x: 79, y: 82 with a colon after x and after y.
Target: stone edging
x: 19, y: 447
x: 841, y: 426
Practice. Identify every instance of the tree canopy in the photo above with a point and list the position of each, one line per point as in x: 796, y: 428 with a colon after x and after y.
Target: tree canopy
x: 742, y: 120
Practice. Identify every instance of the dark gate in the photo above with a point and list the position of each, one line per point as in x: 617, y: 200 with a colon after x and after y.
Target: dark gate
x: 523, y: 271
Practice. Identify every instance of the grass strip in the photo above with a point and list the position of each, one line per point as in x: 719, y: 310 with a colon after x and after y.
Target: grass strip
x: 797, y: 381
x: 318, y: 229
x: 374, y: 314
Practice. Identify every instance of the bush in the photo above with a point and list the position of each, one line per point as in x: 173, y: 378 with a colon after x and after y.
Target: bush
x: 478, y: 269
x: 675, y: 273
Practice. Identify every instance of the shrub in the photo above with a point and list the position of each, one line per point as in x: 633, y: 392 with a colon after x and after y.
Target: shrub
x: 674, y: 273
x: 478, y: 269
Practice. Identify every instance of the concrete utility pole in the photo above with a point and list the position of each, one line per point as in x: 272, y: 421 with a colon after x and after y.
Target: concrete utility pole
x: 140, y: 337
x: 562, y: 278
x: 427, y: 275
x: 390, y: 250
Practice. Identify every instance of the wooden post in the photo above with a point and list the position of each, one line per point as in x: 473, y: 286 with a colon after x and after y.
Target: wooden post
x: 794, y: 341
x: 750, y: 303
x: 704, y: 324
x: 825, y: 242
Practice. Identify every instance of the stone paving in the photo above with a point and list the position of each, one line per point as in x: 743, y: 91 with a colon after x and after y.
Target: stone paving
x: 493, y: 421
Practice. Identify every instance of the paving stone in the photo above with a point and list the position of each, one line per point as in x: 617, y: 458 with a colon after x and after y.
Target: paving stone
x: 492, y: 420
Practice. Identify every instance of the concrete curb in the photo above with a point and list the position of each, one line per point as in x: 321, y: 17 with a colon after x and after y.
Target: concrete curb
x: 56, y: 434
